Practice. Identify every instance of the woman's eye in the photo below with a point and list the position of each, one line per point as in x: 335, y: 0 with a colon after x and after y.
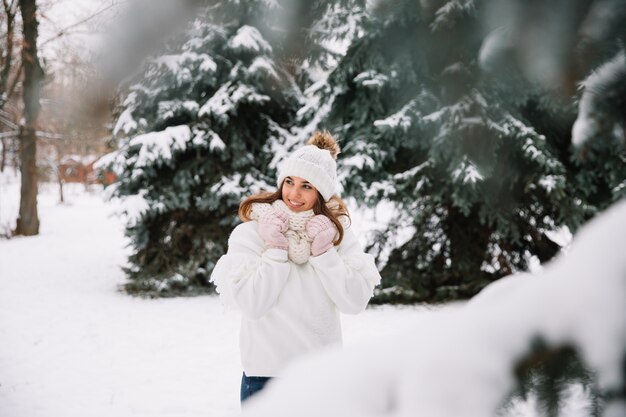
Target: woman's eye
x: 308, y: 187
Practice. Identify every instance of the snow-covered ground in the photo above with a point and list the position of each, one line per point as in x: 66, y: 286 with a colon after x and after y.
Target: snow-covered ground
x: 72, y: 345
x: 9, y: 200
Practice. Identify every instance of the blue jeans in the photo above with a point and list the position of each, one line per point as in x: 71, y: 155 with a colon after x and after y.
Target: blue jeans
x: 250, y: 385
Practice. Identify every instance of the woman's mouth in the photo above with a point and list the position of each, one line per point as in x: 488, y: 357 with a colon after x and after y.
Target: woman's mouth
x: 294, y: 204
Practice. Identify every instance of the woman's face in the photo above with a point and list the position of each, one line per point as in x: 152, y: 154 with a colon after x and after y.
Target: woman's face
x: 299, y: 194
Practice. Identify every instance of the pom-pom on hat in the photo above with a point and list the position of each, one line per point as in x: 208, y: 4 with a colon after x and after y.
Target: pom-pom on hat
x: 315, y: 163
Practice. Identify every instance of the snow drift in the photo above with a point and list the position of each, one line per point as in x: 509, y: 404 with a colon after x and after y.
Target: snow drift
x: 459, y: 362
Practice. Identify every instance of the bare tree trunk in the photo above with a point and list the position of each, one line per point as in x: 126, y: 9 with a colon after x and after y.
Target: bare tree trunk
x: 61, y: 196
x: 56, y: 167
x: 28, y: 221
x: 3, y: 158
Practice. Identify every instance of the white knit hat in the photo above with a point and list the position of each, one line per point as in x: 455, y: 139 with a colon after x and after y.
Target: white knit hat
x: 315, y: 163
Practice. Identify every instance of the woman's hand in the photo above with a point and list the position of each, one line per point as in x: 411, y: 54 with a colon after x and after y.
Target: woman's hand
x: 323, y: 231
x: 272, y: 226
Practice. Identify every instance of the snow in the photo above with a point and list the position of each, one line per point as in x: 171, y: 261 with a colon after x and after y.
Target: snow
x: 176, y: 63
x: 590, y: 120
x: 208, y: 64
x: 435, y: 117
x: 513, y: 125
x: 263, y: 66
x: 371, y: 79
x: 411, y: 172
x: 531, y: 150
x: 245, y: 93
x: 132, y: 208
x: 467, y: 172
x: 9, y: 207
x: 73, y: 345
x: 549, y: 182
x: 159, y: 145
x: 168, y: 109
x: 562, y: 236
x: 459, y: 362
x: 584, y: 127
x: 216, y: 143
x: 249, y: 39
x: 172, y: 62
x: 358, y: 161
x: 125, y: 122
x: 227, y: 98
x: 230, y: 185
x: 401, y: 119
x: 219, y: 105
x: 114, y: 161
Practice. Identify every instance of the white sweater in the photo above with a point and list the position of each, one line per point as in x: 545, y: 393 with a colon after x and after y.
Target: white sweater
x: 289, y: 309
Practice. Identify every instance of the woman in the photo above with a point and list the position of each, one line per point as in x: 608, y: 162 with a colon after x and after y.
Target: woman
x: 293, y: 265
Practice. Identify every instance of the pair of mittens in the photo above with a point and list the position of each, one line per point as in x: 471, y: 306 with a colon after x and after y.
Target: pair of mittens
x: 274, y: 224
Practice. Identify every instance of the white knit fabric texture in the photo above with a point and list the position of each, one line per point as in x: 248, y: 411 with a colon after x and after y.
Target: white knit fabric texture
x: 315, y: 165
x: 299, y: 241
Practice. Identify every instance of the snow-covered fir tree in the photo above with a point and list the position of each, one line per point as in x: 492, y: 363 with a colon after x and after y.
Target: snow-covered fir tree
x: 199, y: 128
x: 466, y: 173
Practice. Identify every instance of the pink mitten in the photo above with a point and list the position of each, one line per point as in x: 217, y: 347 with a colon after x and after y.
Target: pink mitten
x: 272, y: 226
x: 322, y: 231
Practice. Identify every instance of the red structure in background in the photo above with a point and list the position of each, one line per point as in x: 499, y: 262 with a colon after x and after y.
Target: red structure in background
x: 79, y: 169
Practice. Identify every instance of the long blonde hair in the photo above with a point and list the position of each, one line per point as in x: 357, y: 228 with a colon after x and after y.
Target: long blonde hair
x: 333, y: 209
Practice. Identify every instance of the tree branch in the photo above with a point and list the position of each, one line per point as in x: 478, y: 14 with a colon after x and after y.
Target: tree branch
x: 6, y: 65
x: 65, y: 30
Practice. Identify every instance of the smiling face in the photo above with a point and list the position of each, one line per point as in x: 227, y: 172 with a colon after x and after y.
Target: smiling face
x: 299, y: 194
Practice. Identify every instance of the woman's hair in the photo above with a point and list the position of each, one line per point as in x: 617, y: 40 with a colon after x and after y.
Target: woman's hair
x: 333, y: 209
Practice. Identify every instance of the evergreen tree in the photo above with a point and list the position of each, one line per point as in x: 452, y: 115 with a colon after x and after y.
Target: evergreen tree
x: 474, y: 173
x: 441, y: 124
x: 199, y: 128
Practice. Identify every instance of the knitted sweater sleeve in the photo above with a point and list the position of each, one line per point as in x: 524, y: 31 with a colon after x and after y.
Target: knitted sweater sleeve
x: 348, y: 274
x: 250, y: 276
